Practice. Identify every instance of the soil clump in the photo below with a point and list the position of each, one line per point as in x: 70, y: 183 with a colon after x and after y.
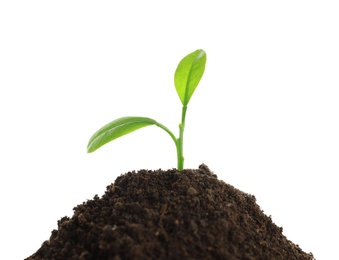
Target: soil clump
x: 171, y: 214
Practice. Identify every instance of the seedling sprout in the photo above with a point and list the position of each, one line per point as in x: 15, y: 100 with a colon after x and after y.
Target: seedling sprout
x: 186, y: 79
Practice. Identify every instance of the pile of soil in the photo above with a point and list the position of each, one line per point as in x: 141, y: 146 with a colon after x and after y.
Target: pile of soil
x: 171, y: 214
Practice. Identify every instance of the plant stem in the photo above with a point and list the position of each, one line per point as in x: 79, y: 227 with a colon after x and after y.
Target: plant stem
x: 180, y: 140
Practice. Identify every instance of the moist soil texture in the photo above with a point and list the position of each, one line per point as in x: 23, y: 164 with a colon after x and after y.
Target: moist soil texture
x: 172, y: 214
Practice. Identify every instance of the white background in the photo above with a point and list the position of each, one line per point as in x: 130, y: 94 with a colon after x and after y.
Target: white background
x: 265, y: 117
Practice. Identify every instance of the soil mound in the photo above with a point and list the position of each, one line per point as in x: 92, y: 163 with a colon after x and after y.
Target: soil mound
x: 169, y: 215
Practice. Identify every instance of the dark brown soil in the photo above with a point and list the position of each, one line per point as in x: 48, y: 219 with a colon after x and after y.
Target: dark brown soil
x: 172, y: 214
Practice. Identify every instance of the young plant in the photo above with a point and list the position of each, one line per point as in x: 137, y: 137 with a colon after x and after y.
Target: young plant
x: 186, y: 78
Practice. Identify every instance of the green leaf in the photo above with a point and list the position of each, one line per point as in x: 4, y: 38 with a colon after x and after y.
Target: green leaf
x: 188, y: 74
x: 116, y: 129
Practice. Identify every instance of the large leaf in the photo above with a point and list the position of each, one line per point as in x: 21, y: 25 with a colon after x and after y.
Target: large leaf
x: 188, y: 74
x: 116, y: 129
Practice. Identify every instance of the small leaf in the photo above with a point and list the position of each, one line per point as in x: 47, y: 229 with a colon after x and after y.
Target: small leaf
x: 188, y: 74
x: 116, y: 129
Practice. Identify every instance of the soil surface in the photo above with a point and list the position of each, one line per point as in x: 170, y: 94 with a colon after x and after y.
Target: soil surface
x: 171, y: 214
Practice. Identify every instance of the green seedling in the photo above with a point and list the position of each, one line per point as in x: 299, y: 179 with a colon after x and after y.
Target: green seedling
x: 186, y: 78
